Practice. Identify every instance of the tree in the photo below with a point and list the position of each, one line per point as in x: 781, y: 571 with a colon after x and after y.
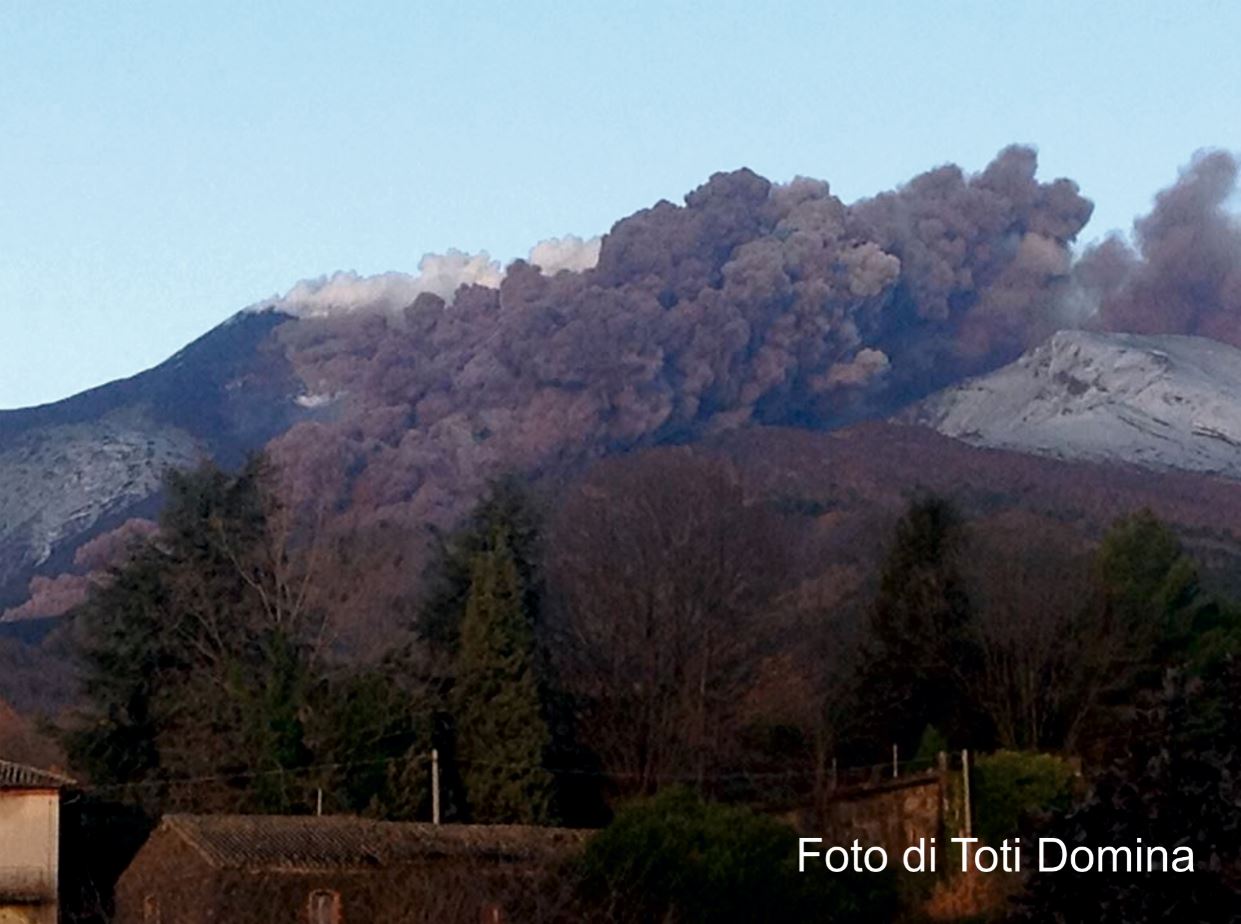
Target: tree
x: 1150, y: 587
x: 661, y: 569
x: 505, y: 508
x: 126, y: 652
x: 501, y: 734
x: 1045, y: 650
x: 1173, y: 781
x: 506, y: 512
x: 202, y: 655
x: 371, y: 731
x: 1066, y: 634
x: 921, y: 648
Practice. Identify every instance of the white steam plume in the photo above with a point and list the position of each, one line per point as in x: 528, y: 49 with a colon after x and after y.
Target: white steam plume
x: 565, y: 253
x: 440, y: 274
x: 343, y: 292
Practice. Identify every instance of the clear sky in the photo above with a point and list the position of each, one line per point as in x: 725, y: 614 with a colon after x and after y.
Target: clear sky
x: 164, y: 164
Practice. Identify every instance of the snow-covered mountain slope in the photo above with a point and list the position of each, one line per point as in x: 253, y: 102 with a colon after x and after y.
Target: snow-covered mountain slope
x: 1158, y: 401
x: 70, y: 469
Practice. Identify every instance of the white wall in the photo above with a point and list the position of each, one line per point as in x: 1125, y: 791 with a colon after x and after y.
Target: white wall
x: 28, y: 914
x: 29, y: 851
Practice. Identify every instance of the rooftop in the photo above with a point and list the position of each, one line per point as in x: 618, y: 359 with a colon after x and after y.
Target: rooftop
x: 283, y: 842
x: 20, y: 776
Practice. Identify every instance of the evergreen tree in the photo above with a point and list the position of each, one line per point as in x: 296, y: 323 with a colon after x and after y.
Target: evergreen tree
x: 501, y: 733
x: 372, y: 732
x: 921, y: 643
x: 1172, y: 781
x: 505, y: 513
x: 504, y: 509
x: 196, y: 664
x: 1149, y: 586
x: 125, y: 656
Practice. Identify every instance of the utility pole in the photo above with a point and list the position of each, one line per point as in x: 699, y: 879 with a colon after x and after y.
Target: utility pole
x: 965, y: 782
x: 435, y: 786
x: 895, y: 764
x: 941, y: 765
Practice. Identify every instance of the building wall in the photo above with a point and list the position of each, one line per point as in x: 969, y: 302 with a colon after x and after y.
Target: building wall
x: 29, y: 856
x: 177, y: 877
x: 28, y: 914
x: 439, y: 891
x: 432, y: 892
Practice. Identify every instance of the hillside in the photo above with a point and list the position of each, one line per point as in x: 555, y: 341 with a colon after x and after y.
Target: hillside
x: 73, y: 469
x: 1165, y: 402
x: 857, y: 481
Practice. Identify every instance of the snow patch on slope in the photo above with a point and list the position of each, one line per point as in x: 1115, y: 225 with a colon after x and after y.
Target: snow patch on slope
x: 1168, y: 402
x: 59, y: 481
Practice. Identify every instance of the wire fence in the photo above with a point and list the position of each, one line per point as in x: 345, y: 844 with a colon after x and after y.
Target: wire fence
x: 804, y: 777
x: 889, y: 771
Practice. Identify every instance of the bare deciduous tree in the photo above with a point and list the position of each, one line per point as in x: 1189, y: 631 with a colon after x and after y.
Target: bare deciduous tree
x: 660, y: 571
x: 1049, y: 652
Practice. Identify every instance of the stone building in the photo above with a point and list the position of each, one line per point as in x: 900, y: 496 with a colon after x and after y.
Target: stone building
x: 29, y: 844
x: 340, y: 870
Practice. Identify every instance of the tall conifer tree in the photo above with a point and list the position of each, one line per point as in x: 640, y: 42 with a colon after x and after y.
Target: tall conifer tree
x: 921, y: 642
x: 502, y: 735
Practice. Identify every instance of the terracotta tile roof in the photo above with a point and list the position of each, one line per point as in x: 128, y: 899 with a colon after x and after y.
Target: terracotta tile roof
x: 276, y: 842
x: 19, y: 776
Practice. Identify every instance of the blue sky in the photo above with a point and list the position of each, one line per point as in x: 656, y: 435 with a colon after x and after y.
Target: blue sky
x: 164, y: 164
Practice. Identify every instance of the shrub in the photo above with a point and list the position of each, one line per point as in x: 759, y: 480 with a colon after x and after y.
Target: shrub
x: 676, y: 857
x: 1012, y: 785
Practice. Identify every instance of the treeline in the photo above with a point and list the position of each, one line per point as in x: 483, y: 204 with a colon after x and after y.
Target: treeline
x: 1112, y: 654
x: 651, y: 626
x: 1028, y: 641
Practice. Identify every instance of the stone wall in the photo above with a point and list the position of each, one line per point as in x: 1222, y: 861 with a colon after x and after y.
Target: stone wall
x: 892, y: 814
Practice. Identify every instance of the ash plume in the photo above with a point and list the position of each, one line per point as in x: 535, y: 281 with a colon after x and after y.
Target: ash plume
x: 94, y: 563
x: 1184, y: 275
x: 749, y: 302
x: 985, y: 265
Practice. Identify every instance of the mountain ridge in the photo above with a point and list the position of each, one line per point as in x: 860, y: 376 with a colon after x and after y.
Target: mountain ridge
x: 73, y: 468
x: 1169, y: 402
